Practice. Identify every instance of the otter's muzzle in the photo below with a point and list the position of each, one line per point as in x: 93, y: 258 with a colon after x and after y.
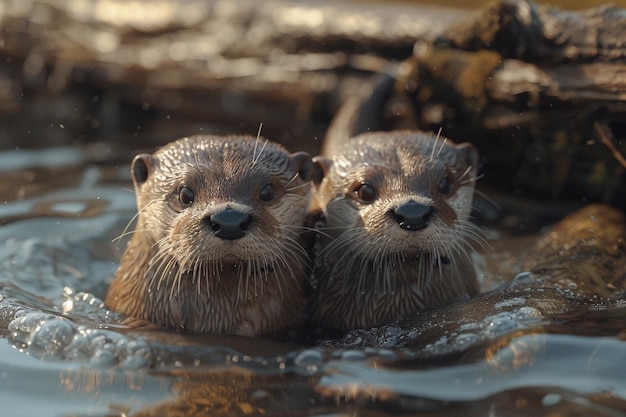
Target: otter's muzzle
x: 229, y: 223
x: 412, y: 215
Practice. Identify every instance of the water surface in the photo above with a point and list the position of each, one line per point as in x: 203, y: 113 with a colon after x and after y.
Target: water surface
x: 64, y: 354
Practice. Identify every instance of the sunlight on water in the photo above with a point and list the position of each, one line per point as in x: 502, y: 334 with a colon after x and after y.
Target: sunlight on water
x: 63, y: 388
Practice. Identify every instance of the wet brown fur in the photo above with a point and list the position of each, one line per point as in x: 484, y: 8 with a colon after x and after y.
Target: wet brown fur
x: 368, y: 269
x: 177, y: 273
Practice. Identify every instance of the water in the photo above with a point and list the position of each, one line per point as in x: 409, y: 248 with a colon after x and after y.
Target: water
x: 64, y: 354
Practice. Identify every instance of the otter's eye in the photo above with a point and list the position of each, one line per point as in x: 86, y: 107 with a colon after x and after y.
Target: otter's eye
x: 267, y: 193
x: 444, y: 187
x: 186, y: 196
x: 366, y: 193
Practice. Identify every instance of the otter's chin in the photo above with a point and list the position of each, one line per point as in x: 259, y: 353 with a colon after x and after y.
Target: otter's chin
x: 235, y: 260
x: 231, y: 259
x: 414, y: 251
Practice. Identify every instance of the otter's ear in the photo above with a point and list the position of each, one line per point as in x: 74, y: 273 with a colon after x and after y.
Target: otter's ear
x: 467, y: 156
x: 301, y: 162
x: 321, y: 165
x: 141, y: 168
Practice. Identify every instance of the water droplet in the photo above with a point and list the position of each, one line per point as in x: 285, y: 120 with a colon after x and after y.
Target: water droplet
x: 309, y: 360
x: 465, y: 340
x: 551, y: 399
x: 102, y: 358
x: 67, y: 305
x: 52, y: 336
x: 528, y: 313
x: 353, y: 355
x: 134, y: 362
x: 500, y: 324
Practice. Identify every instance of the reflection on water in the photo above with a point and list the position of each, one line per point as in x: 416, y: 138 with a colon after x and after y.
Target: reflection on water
x: 62, y: 389
x: 540, y: 354
x: 550, y: 360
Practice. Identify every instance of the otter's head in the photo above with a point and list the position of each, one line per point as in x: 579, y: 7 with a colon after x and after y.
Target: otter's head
x: 214, y: 200
x: 390, y: 193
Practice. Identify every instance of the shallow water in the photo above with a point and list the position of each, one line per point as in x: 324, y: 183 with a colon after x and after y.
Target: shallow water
x: 63, y: 354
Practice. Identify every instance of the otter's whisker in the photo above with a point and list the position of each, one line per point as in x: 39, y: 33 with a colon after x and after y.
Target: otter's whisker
x: 442, y: 147
x: 260, y: 153
x: 306, y: 184
x: 256, y: 142
x: 490, y: 200
x: 432, y: 153
x: 466, y: 172
x: 132, y: 220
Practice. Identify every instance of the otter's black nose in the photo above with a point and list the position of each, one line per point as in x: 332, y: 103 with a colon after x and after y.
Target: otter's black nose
x: 229, y: 223
x: 412, y: 215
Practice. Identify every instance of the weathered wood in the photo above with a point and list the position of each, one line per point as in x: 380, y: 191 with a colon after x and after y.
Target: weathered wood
x: 520, y: 29
x: 215, y: 62
x: 525, y: 85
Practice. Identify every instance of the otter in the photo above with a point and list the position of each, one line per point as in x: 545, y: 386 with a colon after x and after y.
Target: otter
x: 394, y: 230
x: 217, y: 246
